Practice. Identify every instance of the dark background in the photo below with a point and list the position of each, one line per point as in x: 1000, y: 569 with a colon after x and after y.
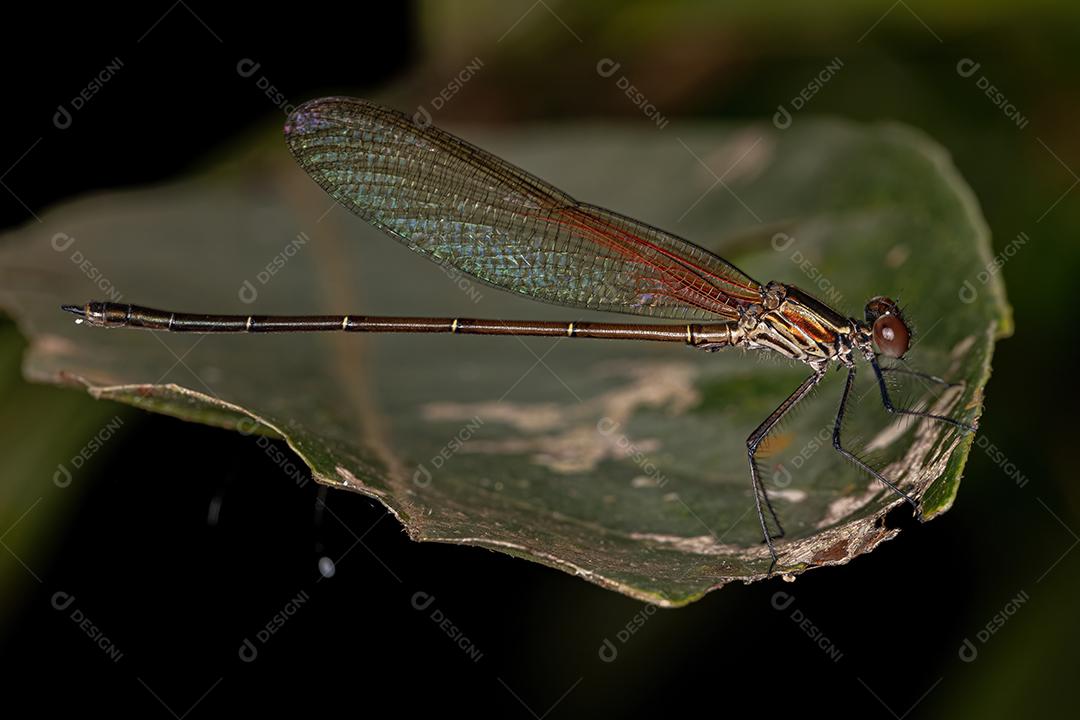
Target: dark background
x: 179, y: 595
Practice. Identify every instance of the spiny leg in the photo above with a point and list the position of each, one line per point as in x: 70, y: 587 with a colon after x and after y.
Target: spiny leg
x: 772, y: 512
x: 887, y: 402
x: 916, y: 373
x: 851, y: 456
x: 752, y: 444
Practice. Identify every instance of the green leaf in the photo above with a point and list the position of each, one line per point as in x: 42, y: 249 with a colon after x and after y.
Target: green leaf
x: 623, y: 463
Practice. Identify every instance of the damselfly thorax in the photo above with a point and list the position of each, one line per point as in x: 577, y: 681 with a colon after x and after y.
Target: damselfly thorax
x: 794, y: 324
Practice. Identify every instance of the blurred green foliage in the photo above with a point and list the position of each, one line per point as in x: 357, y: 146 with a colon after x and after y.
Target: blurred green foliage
x: 44, y: 430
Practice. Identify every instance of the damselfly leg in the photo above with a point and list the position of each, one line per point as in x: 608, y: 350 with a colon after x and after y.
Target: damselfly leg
x: 889, y: 406
x: 754, y: 442
x: 837, y: 427
x: 915, y: 373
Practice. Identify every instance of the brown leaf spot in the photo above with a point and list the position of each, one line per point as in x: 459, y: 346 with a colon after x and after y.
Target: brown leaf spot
x: 838, y: 551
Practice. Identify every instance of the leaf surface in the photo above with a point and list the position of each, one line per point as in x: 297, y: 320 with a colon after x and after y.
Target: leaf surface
x: 620, y: 462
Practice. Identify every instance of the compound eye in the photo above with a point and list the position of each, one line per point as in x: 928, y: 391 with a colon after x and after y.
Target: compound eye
x: 891, y: 336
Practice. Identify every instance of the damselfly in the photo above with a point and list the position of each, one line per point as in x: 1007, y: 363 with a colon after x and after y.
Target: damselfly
x: 466, y: 208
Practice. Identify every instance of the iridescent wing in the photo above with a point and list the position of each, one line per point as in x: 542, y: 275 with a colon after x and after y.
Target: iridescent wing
x: 464, y: 207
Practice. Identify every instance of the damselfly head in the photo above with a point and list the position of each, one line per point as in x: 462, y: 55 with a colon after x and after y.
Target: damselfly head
x: 891, y: 334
